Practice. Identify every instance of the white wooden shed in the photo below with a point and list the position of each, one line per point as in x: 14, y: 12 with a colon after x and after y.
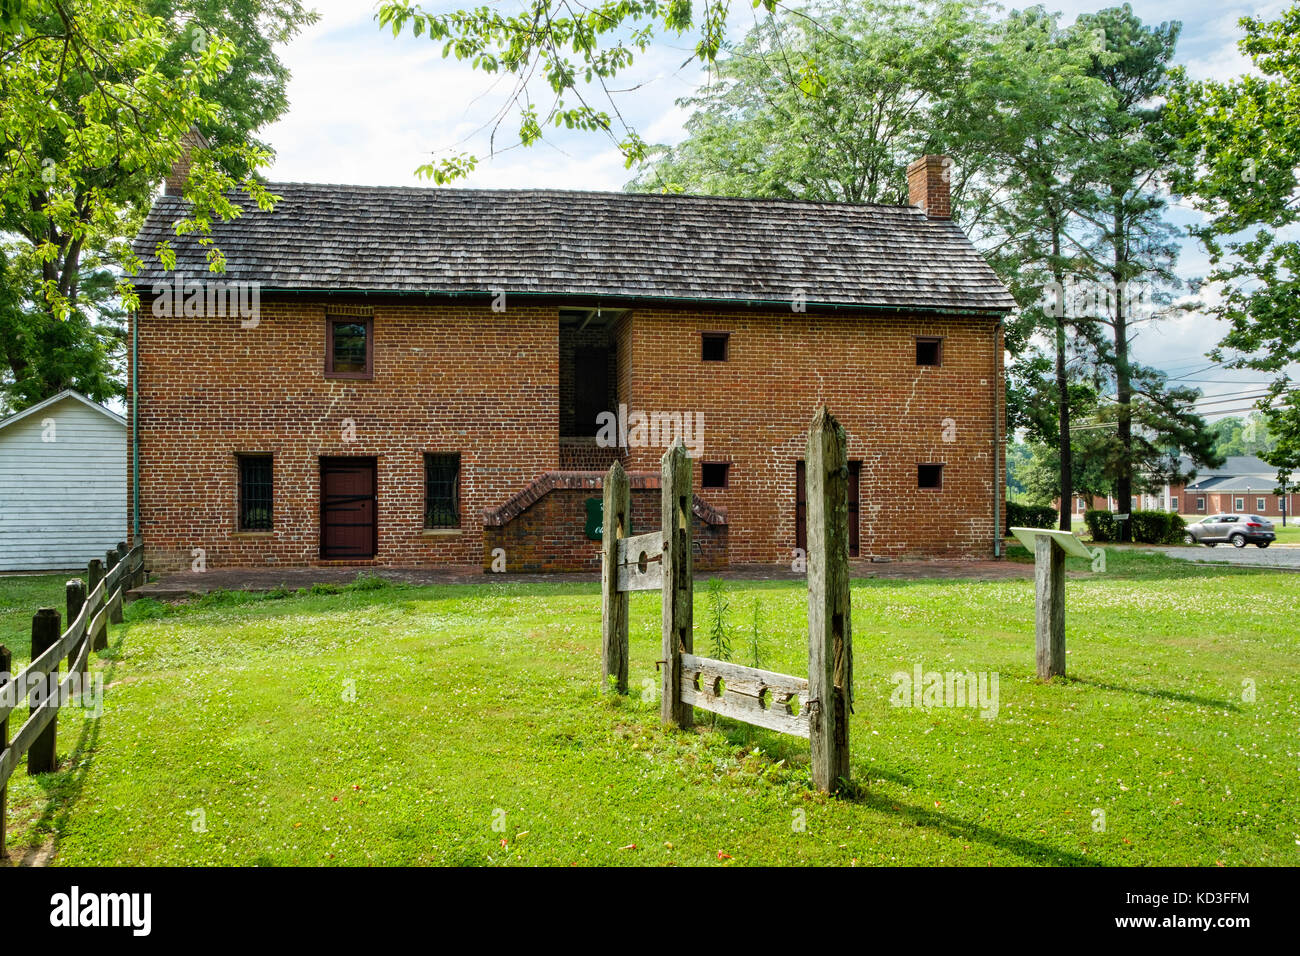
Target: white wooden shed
x: 62, y: 484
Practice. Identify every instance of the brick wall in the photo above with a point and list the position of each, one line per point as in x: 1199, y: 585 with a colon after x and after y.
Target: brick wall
x: 459, y: 377
x: 758, y: 404
x: 446, y: 378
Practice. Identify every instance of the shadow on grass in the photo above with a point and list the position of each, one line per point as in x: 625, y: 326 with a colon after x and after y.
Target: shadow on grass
x: 970, y: 832
x: 795, y: 752
x: 1195, y: 699
x: 63, y: 788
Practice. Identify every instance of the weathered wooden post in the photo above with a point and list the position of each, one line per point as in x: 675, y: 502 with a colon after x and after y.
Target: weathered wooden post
x: 830, y: 639
x: 6, y: 662
x: 615, y: 525
x: 1049, y: 607
x: 42, y: 756
x: 1050, y: 549
x: 112, y: 559
x: 676, y: 517
x: 95, y: 574
x: 138, y: 579
x: 75, y: 594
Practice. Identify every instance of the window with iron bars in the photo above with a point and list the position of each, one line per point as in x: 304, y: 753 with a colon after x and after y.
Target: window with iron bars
x: 255, y: 493
x: 441, y: 490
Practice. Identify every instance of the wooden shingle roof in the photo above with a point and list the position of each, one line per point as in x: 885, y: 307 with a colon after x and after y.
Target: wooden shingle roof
x: 611, y: 245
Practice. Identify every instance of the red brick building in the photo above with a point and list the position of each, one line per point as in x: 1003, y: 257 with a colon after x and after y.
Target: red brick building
x: 1243, y: 484
x: 425, y: 376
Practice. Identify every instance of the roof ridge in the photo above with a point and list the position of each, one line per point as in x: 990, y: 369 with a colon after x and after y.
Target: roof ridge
x: 905, y: 208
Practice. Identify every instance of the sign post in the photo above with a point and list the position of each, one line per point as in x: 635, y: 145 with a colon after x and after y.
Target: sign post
x: 1049, y: 549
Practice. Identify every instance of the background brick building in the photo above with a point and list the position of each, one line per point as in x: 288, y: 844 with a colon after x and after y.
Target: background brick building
x: 424, y: 378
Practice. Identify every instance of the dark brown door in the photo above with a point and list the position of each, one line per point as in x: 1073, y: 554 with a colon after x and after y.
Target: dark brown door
x: 801, y: 507
x: 348, y: 529
x: 590, y: 389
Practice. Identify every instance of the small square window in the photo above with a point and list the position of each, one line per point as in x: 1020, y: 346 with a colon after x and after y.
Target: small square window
x: 713, y: 346
x: 929, y: 476
x: 929, y: 351
x: 255, y: 493
x: 442, y: 491
x: 349, y: 346
x: 714, y: 474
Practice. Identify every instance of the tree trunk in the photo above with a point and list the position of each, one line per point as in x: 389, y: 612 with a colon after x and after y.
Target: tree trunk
x: 1123, y: 385
x: 1062, y: 388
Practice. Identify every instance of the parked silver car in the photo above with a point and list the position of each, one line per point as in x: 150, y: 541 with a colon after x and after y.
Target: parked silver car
x: 1236, y: 530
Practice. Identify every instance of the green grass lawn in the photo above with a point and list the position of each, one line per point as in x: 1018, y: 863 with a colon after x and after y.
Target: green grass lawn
x: 20, y: 596
x: 231, y: 733
x: 1288, y: 535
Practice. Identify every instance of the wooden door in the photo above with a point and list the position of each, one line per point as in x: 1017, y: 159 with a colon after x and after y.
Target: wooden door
x: 349, y: 529
x: 801, y: 507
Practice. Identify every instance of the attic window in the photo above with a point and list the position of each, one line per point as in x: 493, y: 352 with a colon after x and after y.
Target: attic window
x: 713, y: 346
x: 929, y: 476
x: 929, y: 351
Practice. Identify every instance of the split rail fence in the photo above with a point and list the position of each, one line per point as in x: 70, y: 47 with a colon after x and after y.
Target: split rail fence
x: 91, y: 606
x: 817, y: 707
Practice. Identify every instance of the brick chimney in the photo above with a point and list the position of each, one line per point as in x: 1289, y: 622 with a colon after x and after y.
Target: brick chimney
x: 927, y: 186
x: 175, y: 182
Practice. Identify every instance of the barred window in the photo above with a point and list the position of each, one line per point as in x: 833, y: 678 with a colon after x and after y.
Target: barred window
x: 255, y: 492
x: 442, y: 490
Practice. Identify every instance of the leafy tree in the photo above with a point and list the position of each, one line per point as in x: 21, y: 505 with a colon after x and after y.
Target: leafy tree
x: 1133, y: 252
x: 1248, y: 436
x: 1239, y: 151
x: 96, y: 102
x: 831, y: 103
x: 1037, y: 95
x: 572, y: 53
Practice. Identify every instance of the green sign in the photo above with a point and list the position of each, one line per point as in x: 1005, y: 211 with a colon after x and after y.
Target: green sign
x: 595, y: 528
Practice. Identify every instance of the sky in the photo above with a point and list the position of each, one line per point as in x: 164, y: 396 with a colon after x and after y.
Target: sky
x: 367, y: 108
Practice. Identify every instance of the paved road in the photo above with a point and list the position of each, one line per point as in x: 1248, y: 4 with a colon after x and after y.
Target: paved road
x: 1274, y: 556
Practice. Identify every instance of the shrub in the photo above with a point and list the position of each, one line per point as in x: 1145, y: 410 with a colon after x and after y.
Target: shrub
x: 1147, y: 527
x: 1102, y: 525
x: 1158, y: 527
x: 1030, y: 516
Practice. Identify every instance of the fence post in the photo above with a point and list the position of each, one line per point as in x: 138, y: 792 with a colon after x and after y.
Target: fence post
x: 1049, y: 607
x: 138, y: 578
x: 75, y: 592
x: 111, y: 560
x: 615, y: 525
x: 830, y: 639
x: 95, y: 574
x: 42, y: 757
x: 676, y: 516
x: 6, y: 661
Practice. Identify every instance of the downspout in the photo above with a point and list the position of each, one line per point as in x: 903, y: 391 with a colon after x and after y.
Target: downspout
x: 999, y: 393
x: 135, y: 427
